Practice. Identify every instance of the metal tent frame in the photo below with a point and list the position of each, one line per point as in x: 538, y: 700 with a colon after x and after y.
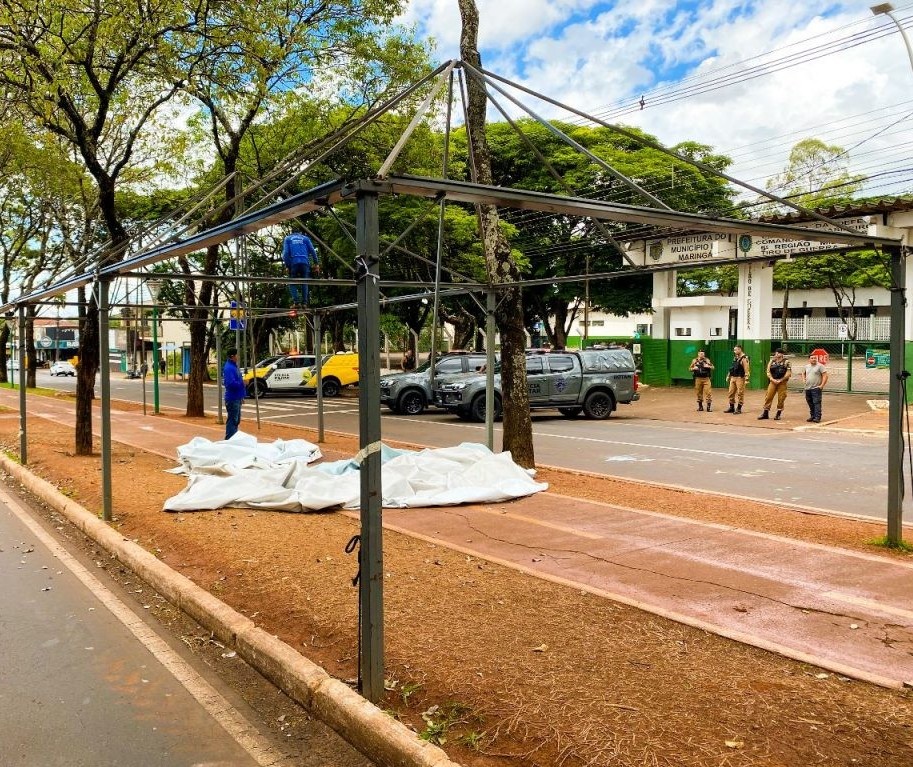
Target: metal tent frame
x: 365, y: 193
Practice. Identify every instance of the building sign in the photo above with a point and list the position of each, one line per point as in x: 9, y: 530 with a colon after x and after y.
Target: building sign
x: 705, y: 247
x: 686, y: 249
x: 749, y: 301
x: 777, y: 247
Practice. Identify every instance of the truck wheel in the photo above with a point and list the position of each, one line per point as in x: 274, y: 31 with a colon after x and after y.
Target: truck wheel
x: 331, y: 387
x: 569, y: 412
x: 412, y: 403
x: 477, y: 408
x: 256, y: 388
x: 598, y: 405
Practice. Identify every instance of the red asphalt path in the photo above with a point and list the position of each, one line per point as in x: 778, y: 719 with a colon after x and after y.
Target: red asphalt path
x: 847, y: 612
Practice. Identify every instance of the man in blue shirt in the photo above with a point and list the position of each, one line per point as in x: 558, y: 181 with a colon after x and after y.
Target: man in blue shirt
x: 235, y: 392
x: 299, y: 257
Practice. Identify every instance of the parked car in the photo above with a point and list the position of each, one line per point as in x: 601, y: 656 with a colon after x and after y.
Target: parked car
x: 337, y: 370
x: 594, y: 382
x: 410, y: 393
x: 262, y: 367
x: 287, y: 373
x: 62, y: 368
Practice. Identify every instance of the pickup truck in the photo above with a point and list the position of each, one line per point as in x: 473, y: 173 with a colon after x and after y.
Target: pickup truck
x: 593, y: 382
x: 410, y: 393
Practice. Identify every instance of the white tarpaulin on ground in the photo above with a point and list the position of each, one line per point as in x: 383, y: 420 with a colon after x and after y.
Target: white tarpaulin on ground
x: 241, y: 473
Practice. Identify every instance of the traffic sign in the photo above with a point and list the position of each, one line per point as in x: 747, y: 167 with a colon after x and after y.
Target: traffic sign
x: 237, y: 316
x: 822, y: 356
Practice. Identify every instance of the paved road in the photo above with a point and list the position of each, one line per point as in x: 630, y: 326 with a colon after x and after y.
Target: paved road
x: 845, y: 472
x: 87, y: 682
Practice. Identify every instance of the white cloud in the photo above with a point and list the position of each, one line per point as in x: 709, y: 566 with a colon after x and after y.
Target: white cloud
x: 598, y: 58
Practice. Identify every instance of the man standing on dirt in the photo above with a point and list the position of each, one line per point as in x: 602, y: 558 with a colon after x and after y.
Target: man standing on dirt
x: 778, y: 373
x: 234, y: 392
x: 738, y: 374
x: 815, y: 377
x: 702, y: 369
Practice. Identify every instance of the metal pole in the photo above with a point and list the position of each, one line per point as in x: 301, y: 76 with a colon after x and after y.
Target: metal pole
x: 586, y: 305
x: 318, y: 354
x: 23, y: 441
x: 896, y: 399
x: 155, y: 354
x: 221, y: 419
x: 104, y: 371
x: 371, y: 585
x: 490, y: 305
x: 440, y: 242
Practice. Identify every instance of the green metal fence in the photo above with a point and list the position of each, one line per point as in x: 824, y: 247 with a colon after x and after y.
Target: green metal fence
x: 853, y: 366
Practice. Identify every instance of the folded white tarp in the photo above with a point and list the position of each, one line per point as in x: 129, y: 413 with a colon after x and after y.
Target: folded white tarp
x: 242, y: 451
x: 468, y: 473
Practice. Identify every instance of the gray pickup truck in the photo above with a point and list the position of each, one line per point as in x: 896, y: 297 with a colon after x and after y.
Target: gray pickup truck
x: 410, y: 393
x: 593, y: 382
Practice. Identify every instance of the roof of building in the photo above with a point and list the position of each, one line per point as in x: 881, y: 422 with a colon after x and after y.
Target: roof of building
x: 873, y: 206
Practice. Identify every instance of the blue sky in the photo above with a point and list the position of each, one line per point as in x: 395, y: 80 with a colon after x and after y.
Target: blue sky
x: 853, y: 89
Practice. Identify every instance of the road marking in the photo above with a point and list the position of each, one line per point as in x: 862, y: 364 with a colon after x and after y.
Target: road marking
x: 666, y: 447
x: 543, y: 523
x: 870, y: 604
x: 614, y: 442
x: 231, y: 720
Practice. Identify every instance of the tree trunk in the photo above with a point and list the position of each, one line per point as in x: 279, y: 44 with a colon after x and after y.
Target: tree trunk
x: 501, y: 268
x: 199, y: 334
x: 88, y: 319
x: 85, y: 372
x: 4, y: 340
x: 560, y: 339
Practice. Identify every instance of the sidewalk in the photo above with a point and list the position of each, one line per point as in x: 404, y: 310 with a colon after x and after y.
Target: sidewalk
x: 843, y: 611
x: 841, y: 411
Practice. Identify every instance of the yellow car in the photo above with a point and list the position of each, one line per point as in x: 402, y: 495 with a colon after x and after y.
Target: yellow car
x: 337, y: 371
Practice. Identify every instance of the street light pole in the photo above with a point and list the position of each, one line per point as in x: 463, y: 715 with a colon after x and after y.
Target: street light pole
x: 886, y: 9
x: 155, y: 287
x: 898, y: 373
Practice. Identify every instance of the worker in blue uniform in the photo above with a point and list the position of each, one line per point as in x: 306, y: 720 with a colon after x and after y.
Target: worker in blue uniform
x: 300, y: 258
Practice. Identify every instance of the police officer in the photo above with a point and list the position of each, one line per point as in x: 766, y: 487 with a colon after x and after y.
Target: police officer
x: 738, y: 372
x: 701, y: 369
x: 778, y: 372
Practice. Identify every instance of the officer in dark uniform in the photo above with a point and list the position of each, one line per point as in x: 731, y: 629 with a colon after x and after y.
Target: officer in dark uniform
x: 702, y: 369
x: 738, y: 373
x: 778, y: 373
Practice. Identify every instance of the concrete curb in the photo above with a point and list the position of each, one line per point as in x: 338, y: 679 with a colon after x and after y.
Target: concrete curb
x: 363, y: 725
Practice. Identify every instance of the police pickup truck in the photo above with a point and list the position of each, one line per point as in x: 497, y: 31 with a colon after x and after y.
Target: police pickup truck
x: 410, y: 393
x: 593, y: 381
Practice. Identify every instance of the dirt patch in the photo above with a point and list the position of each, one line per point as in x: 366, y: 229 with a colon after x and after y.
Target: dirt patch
x: 521, y: 671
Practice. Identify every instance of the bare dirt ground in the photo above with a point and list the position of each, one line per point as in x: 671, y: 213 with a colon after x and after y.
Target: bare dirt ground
x: 499, y: 667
